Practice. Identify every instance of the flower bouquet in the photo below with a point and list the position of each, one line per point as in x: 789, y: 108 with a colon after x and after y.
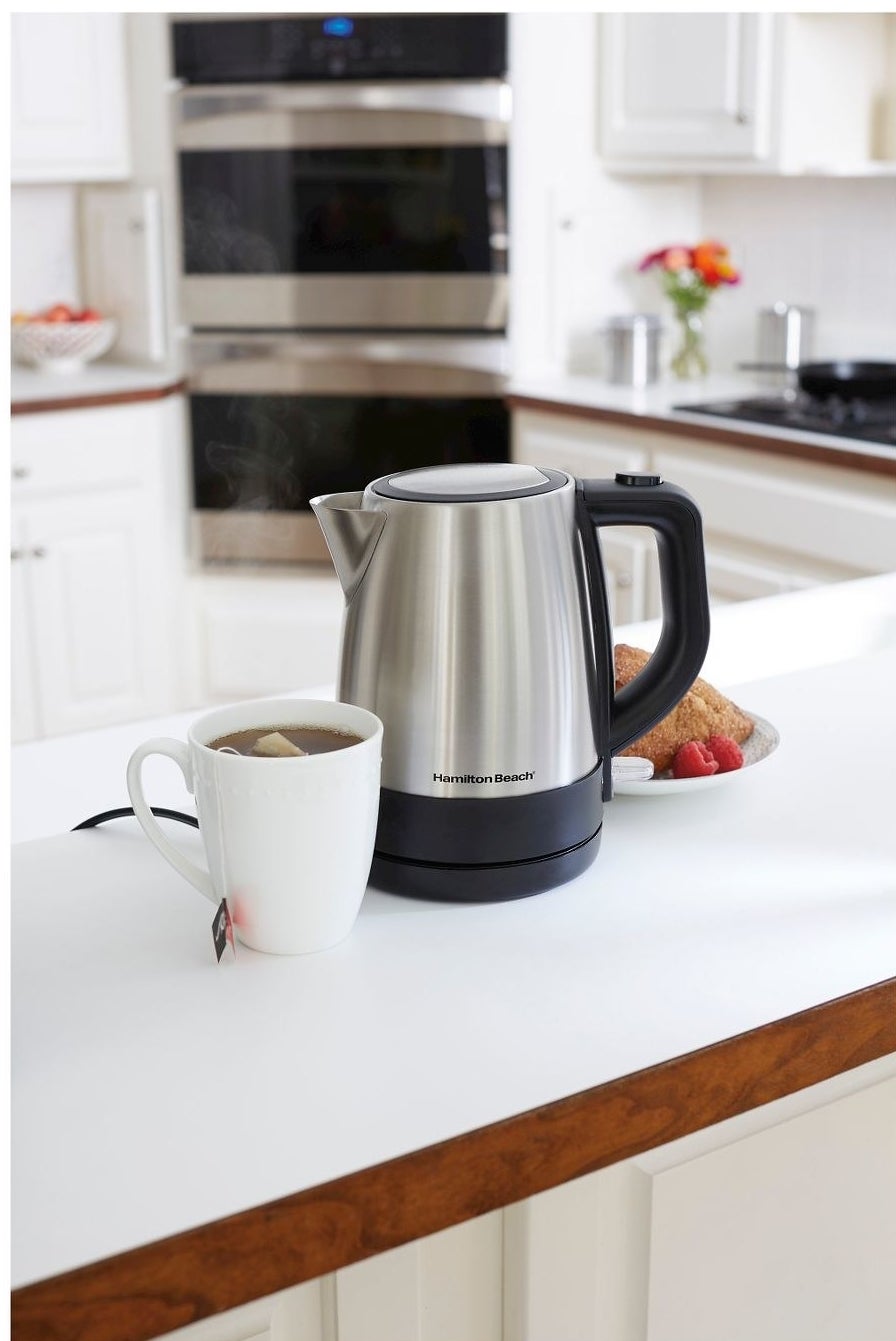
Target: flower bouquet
x: 689, y: 276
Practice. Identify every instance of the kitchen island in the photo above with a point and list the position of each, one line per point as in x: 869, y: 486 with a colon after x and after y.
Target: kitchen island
x: 188, y: 1137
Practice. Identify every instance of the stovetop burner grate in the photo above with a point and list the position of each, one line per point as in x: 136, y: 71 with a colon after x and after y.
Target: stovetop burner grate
x: 864, y: 420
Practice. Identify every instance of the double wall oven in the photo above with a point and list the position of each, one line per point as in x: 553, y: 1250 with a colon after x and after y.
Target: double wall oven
x: 344, y: 246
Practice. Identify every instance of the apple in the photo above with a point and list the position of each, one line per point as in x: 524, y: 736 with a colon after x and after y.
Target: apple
x: 87, y: 314
x: 58, y: 312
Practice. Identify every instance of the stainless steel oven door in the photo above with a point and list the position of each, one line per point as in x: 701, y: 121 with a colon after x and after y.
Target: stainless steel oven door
x: 276, y: 420
x: 353, y: 206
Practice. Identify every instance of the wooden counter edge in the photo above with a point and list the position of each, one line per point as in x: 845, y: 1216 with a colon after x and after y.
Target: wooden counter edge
x: 713, y: 433
x: 218, y: 1266
x: 93, y: 400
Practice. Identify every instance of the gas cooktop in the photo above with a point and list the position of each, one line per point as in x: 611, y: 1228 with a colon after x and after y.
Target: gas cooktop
x: 872, y: 420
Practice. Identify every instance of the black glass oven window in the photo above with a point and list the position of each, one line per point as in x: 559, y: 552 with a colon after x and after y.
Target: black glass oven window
x: 343, y: 211
x: 262, y: 453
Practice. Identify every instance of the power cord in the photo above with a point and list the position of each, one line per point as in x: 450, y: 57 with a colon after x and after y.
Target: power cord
x: 159, y: 811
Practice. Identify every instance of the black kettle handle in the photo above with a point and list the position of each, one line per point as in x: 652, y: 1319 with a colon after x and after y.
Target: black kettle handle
x: 644, y: 500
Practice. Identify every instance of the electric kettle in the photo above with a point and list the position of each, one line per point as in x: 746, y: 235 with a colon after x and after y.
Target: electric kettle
x: 476, y: 627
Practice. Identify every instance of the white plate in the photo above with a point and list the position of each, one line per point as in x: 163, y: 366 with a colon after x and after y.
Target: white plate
x: 758, y: 746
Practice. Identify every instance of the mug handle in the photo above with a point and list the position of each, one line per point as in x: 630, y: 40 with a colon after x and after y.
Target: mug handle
x: 180, y: 753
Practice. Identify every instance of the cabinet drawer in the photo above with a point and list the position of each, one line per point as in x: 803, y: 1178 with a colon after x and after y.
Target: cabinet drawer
x: 78, y: 449
x: 820, y: 512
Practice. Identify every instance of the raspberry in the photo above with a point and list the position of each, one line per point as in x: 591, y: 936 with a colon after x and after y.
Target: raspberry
x: 726, y: 752
x: 694, y: 761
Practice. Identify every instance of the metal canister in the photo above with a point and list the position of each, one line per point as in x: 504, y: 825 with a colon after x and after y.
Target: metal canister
x: 633, y: 349
x: 784, y: 338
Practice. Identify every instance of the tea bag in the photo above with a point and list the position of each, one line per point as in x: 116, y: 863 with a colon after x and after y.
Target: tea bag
x: 276, y: 746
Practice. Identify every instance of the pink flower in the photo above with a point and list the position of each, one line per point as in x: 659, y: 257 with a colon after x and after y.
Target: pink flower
x: 670, y: 258
x: 678, y: 258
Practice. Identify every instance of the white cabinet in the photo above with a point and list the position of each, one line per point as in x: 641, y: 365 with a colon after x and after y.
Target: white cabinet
x: 96, y: 545
x: 719, y: 92
x: 771, y: 524
x: 628, y: 552
x: 776, y: 1225
x: 23, y: 687
x: 685, y: 85
x: 257, y: 632
x: 69, y: 101
x: 783, y: 1234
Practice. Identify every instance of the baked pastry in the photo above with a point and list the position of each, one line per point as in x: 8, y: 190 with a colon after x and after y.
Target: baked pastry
x: 703, y: 712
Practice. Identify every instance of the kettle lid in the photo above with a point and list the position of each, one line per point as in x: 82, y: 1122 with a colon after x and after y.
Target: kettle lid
x: 473, y: 483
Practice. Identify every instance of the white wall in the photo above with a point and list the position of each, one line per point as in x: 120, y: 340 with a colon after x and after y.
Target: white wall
x: 43, y: 247
x: 576, y: 233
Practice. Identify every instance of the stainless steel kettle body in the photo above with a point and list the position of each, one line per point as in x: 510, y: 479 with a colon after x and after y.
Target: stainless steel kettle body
x: 476, y: 628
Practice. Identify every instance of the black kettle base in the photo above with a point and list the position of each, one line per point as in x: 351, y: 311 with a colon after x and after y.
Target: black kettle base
x: 493, y: 883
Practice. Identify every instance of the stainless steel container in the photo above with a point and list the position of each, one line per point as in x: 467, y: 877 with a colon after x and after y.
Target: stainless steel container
x: 784, y: 339
x: 633, y: 349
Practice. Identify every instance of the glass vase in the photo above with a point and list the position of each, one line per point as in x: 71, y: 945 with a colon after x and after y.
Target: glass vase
x: 689, y: 360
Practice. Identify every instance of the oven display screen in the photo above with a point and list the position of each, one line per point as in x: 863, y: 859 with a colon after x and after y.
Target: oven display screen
x: 389, y: 210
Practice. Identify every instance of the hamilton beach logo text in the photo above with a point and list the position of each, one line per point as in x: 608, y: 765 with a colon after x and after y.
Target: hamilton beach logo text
x: 480, y: 778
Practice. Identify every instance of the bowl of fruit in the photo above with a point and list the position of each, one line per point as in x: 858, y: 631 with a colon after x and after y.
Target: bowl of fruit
x: 62, y: 339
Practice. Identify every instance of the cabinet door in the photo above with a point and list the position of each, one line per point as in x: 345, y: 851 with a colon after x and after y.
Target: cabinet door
x: 69, y: 107
x: 630, y: 565
x: 446, y: 1287
x: 688, y: 86
x: 89, y: 582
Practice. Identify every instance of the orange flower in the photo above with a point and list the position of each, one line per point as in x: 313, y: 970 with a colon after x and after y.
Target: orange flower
x: 712, y: 262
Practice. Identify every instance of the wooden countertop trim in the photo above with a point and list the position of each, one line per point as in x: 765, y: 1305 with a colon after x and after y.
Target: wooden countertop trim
x: 714, y: 432
x: 92, y: 401
x: 179, y: 1280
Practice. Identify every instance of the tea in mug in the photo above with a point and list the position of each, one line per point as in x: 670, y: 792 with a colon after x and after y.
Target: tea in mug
x: 284, y: 742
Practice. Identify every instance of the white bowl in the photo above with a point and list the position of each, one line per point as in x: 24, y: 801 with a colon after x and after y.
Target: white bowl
x: 62, y: 346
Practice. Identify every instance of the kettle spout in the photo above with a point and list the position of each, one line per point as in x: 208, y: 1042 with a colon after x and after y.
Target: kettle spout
x: 351, y: 533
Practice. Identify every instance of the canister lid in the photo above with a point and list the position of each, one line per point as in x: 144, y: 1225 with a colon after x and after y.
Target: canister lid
x: 472, y: 483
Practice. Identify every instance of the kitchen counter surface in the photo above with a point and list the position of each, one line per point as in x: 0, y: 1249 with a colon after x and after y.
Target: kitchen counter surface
x: 652, y: 408
x: 33, y: 391
x: 172, y: 1119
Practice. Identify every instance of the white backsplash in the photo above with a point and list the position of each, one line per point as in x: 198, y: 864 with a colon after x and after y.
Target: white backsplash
x: 43, y: 247
x: 821, y: 242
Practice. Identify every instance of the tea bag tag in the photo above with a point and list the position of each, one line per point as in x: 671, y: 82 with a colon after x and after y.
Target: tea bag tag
x: 222, y: 930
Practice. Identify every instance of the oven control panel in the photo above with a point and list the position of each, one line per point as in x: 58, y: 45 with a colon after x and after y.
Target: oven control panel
x: 293, y: 49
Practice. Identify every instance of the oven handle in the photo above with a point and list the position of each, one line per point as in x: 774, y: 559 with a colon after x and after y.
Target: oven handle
x: 485, y: 357
x: 480, y: 100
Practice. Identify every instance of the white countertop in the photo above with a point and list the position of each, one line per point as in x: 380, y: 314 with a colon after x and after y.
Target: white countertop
x: 153, y: 1091
x: 103, y: 378
x: 60, y: 781
x: 657, y: 401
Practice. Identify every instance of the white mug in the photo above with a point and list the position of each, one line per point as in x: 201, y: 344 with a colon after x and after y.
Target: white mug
x: 289, y: 841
